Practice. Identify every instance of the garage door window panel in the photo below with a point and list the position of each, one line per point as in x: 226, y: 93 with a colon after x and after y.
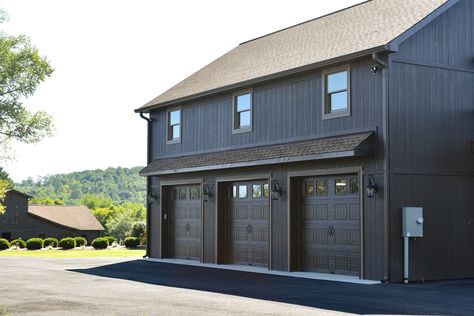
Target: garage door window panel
x: 341, y: 187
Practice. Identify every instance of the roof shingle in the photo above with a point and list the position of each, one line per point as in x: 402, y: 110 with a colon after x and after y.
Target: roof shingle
x: 75, y: 217
x: 363, y: 27
x: 323, y: 148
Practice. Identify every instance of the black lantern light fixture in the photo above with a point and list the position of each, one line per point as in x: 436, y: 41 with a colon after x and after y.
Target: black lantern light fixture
x: 371, y: 188
x: 276, y: 189
x: 206, y: 192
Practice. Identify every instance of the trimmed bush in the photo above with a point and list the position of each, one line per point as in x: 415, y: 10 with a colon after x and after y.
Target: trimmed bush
x: 19, y: 242
x: 100, y: 243
x: 53, y: 242
x: 80, y: 241
x: 34, y: 243
x: 67, y: 243
x: 132, y: 242
x: 110, y: 239
x: 4, y: 244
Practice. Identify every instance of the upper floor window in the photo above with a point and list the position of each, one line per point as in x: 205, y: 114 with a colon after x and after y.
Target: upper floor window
x: 242, y: 112
x: 336, y: 93
x: 174, y: 126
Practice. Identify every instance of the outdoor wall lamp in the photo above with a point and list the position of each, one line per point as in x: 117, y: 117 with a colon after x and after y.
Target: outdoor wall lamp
x: 276, y: 189
x: 153, y: 195
x: 374, y: 69
x: 206, y: 192
x: 371, y: 188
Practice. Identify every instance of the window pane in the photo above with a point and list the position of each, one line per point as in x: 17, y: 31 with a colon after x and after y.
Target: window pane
x: 176, y: 131
x: 257, y: 190
x: 266, y: 191
x: 354, y: 185
x: 234, y: 191
x: 243, y: 102
x: 321, y: 187
x: 175, y: 117
x: 244, y: 118
x: 182, y: 194
x: 337, y: 81
x: 242, y: 191
x: 309, y: 188
x: 338, y: 101
x: 341, y: 186
x: 194, y: 193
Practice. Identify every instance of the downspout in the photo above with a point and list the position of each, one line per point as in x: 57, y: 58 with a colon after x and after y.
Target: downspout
x: 386, y: 164
x: 148, y: 186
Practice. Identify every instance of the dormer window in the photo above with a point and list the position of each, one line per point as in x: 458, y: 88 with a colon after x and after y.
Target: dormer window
x: 174, y: 126
x: 242, y: 113
x: 336, y: 101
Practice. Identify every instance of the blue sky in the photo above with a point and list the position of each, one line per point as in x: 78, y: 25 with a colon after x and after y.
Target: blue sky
x: 112, y: 56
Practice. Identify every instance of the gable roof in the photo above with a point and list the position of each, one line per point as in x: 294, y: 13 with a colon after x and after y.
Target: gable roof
x: 19, y: 193
x: 363, y: 28
x: 75, y: 217
x: 352, y: 145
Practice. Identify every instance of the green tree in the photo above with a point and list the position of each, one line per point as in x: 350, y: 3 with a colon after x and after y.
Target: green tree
x: 4, y: 185
x: 120, y: 225
x: 6, y: 177
x: 22, y: 69
x: 103, y: 214
x: 94, y: 202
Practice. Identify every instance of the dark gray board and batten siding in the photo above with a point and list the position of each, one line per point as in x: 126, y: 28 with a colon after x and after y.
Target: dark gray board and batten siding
x: 284, y: 110
x: 431, y: 160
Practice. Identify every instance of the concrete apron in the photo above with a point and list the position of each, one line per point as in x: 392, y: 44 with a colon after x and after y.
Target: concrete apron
x: 304, y: 275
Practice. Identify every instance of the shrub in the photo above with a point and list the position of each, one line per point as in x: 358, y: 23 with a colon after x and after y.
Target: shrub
x: 53, y: 242
x: 110, y: 239
x: 132, y: 242
x: 34, y: 243
x: 19, y: 242
x: 80, y: 241
x: 4, y: 244
x: 139, y: 231
x: 67, y: 243
x: 100, y: 243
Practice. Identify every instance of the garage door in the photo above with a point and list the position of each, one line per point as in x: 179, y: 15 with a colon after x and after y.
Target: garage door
x: 330, y: 220
x: 184, y: 223
x: 248, y: 224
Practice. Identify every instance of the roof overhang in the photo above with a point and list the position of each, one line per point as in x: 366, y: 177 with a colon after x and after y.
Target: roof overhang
x: 353, y: 145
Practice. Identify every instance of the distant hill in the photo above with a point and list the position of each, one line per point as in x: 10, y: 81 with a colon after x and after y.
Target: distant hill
x: 118, y: 184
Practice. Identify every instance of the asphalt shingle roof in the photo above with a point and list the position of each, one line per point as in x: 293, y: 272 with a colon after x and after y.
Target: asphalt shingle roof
x: 322, y: 148
x: 363, y: 27
x: 75, y: 217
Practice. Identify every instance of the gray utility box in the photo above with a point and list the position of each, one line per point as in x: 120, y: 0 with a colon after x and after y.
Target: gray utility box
x: 412, y: 218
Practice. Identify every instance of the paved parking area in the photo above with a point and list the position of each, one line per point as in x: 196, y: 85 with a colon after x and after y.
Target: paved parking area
x: 36, y: 286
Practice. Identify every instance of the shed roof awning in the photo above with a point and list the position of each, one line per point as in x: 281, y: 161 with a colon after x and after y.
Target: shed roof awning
x: 353, y: 145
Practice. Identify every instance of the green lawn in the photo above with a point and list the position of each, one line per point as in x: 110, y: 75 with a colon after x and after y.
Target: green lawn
x: 75, y: 253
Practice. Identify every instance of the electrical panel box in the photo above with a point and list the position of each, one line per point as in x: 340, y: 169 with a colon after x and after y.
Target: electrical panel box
x: 412, y: 218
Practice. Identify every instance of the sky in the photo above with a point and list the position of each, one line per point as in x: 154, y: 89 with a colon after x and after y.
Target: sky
x: 112, y: 56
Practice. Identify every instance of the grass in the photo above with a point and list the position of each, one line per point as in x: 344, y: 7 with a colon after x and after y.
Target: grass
x: 76, y: 253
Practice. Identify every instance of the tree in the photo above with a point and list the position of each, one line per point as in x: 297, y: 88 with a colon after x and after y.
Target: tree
x: 22, y: 69
x: 3, y: 191
x: 6, y: 177
x: 139, y: 231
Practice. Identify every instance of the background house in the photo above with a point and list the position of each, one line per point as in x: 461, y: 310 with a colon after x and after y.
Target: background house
x: 263, y: 156
x: 58, y: 221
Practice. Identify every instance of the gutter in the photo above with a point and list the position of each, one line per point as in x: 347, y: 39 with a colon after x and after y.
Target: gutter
x: 386, y: 164
x: 148, y: 186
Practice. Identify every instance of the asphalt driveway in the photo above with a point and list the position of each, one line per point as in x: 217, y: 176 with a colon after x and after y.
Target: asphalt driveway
x: 110, y: 286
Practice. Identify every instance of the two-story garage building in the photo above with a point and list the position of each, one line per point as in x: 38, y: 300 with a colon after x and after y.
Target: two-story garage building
x: 297, y: 151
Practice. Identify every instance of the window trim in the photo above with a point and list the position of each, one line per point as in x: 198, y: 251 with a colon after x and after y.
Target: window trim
x: 175, y: 140
x: 246, y: 129
x: 325, y: 106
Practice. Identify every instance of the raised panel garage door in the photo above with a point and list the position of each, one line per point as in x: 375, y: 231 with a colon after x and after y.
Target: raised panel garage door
x: 330, y: 224
x: 184, y: 220
x: 248, y: 224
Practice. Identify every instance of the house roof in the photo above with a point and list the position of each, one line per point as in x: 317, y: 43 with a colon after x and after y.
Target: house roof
x: 75, y: 217
x: 363, y: 28
x: 19, y: 193
x: 314, y: 149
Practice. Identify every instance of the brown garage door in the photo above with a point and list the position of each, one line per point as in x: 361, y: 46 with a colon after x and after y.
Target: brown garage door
x: 184, y: 223
x: 330, y: 224
x: 248, y: 224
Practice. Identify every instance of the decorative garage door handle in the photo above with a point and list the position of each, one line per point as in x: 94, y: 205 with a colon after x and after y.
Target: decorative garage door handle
x: 249, y: 228
x: 331, y: 230
x: 188, y: 227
